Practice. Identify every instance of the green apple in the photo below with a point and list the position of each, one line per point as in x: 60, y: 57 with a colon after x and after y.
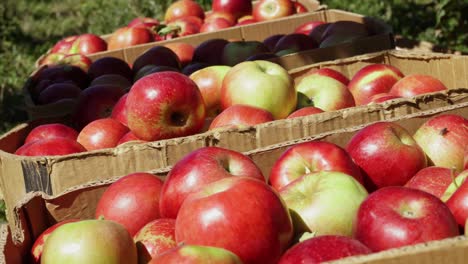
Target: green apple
x: 197, y: 254
x: 262, y: 84
x: 324, y: 203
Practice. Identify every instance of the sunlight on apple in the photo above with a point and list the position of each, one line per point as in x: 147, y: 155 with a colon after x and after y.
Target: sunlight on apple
x: 215, y: 214
x: 71, y: 248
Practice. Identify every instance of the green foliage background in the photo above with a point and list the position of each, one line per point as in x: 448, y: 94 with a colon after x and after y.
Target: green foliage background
x: 28, y: 28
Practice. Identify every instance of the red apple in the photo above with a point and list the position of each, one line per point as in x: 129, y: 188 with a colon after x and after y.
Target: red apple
x: 132, y: 201
x: 215, y: 24
x: 96, y: 102
x: 444, y: 139
x: 129, y: 36
x: 58, y: 92
x: 308, y: 157
x: 272, y: 9
x: 180, y: 27
x: 195, y: 254
x: 50, y: 147
x: 373, y: 79
x: 387, y: 153
x: 119, y: 112
x: 52, y: 58
x: 183, y: 8
x: 199, y: 168
x: 241, y: 116
x: 238, y: 8
x: 456, y: 198
x: 130, y: 137
x: 155, y: 238
x: 146, y: 22
x: 159, y: 56
x: 434, y: 180
x: 210, y: 51
x: 101, y: 134
x: 90, y: 241
x: 63, y: 45
x: 323, y: 249
x: 38, y: 246
x: 79, y: 60
x: 327, y: 72
x: 259, y: 231
x: 48, y: 131
x: 165, y: 105
x: 112, y: 80
x: 381, y: 97
x: 414, y: 84
x: 184, y: 51
x: 294, y: 42
x: 246, y: 20
x: 210, y: 80
x: 229, y: 17
x: 261, y: 84
x: 306, y: 28
x: 299, y: 8
x: 324, y: 92
x: 397, y: 216
x: 110, y: 65
x: 88, y: 44
x: 308, y: 110
x: 238, y: 51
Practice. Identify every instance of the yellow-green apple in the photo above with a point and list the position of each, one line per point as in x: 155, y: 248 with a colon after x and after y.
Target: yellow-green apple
x: 52, y: 59
x: 63, y: 45
x: 305, y: 111
x: 387, y: 153
x: 434, y: 180
x: 113, y: 80
x: 119, y: 112
x: 210, y: 80
x: 262, y: 84
x: 324, y: 248
x: 373, y: 79
x: 183, y: 8
x: 130, y: 137
x: 414, y: 84
x: 272, y: 9
x: 240, y: 214
x: 294, y: 42
x: 158, y: 55
x: 90, y: 241
x: 444, y: 139
x: 50, y: 147
x: 327, y: 72
x: 199, y: 168
x: 307, y: 27
x: 58, y: 92
x: 270, y: 42
x: 241, y: 116
x: 314, y: 198
x: 94, y: 103
x: 342, y: 32
x: 53, y: 130
x: 196, y: 254
x: 381, y: 97
x: 184, y: 51
x: 76, y: 59
x: 210, y: 51
x: 324, y: 92
x: 102, y: 133
x: 230, y: 18
x: 397, y: 216
x: 88, y: 44
x: 38, y: 246
x: 238, y: 51
x: 165, y: 105
x: 453, y: 186
x: 308, y: 157
x: 215, y: 24
x: 155, y: 238
x: 132, y: 201
x: 129, y: 36
x: 110, y: 65
x: 238, y: 8
x: 457, y: 201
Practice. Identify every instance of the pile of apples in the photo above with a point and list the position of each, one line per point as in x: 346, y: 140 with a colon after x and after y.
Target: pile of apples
x: 385, y: 189
x: 182, y: 18
x: 153, y: 100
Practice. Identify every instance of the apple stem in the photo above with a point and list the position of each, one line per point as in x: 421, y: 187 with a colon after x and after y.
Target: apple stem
x: 168, y: 29
x: 443, y: 131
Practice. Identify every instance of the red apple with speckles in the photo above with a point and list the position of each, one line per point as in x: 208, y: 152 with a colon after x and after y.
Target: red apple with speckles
x: 155, y: 238
x: 230, y: 18
x: 324, y: 248
x: 88, y: 44
x: 272, y: 9
x: 415, y: 84
x: 309, y: 110
x: 396, y: 216
x: 165, y: 105
x: 259, y: 231
x: 387, y: 153
x: 183, y: 8
x: 381, y: 97
x: 215, y: 24
x: 238, y: 8
x: 308, y: 157
x: 434, y: 180
x: 119, y: 112
x: 51, y: 131
x: 129, y: 36
x: 373, y: 79
x: 327, y: 72
x: 102, y: 133
x: 200, y: 168
x: 195, y: 254
x: 241, y: 116
x: 444, y: 139
x: 50, y: 147
x: 38, y: 245
x: 130, y: 137
x: 132, y: 201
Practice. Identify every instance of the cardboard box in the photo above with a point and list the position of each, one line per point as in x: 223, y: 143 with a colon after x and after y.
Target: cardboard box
x: 52, y: 175
x: 37, y: 211
x: 381, y: 40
